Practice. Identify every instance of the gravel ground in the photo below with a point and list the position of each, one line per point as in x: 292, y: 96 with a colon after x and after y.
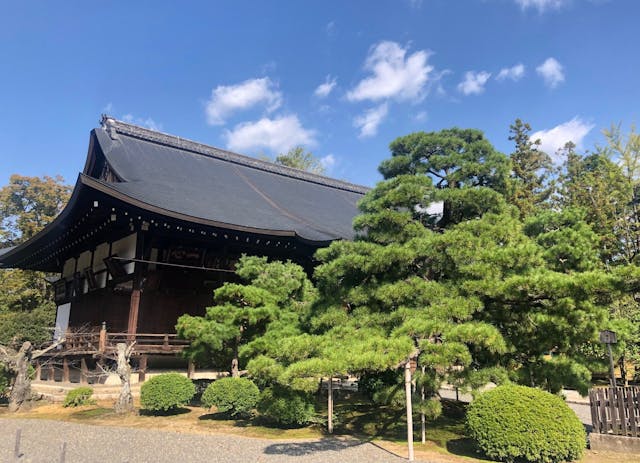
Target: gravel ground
x: 42, y: 441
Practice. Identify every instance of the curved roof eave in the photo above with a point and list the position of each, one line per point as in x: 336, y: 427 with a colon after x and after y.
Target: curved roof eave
x: 57, y: 222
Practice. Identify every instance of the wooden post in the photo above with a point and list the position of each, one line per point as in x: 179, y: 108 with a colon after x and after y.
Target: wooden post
x: 142, y: 369
x: 191, y: 369
x: 51, y: 374
x: 65, y: 370
x: 38, y: 376
x: 134, y: 306
x: 84, y: 371
x: 165, y: 342
x: 102, y: 343
x: 407, y: 390
x: 330, y: 405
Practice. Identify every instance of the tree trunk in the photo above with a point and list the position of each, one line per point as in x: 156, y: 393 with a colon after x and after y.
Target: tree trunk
x: 623, y: 371
x: 330, y: 405
x: 235, y: 368
x: 124, y: 404
x: 407, y: 390
x: 423, y: 419
x: 21, y: 390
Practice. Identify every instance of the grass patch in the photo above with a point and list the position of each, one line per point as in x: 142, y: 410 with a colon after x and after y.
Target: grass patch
x: 91, y: 413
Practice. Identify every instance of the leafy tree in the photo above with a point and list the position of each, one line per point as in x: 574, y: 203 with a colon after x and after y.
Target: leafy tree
x: 298, y: 158
x: 248, y: 316
x: 596, y: 184
x: 27, y: 204
x: 531, y: 182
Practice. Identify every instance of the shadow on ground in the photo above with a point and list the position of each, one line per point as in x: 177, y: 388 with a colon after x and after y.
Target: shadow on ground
x: 170, y: 412
x: 298, y: 449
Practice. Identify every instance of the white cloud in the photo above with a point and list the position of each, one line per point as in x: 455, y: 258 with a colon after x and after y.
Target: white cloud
x: 323, y: 90
x: 328, y: 162
x: 474, y: 82
x: 394, y: 75
x: 277, y: 135
x: 144, y: 122
x: 369, y: 121
x: 330, y: 28
x: 227, y: 99
x: 514, y: 73
x: 421, y: 116
x: 552, y: 72
x: 542, y: 5
x: 553, y: 139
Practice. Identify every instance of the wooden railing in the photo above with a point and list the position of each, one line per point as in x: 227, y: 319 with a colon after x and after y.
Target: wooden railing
x: 101, y: 341
x: 616, y: 410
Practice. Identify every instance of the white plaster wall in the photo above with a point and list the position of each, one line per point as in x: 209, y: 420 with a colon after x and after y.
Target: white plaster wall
x: 126, y: 247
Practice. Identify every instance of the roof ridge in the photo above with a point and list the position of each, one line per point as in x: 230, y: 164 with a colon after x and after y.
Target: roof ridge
x: 111, y: 125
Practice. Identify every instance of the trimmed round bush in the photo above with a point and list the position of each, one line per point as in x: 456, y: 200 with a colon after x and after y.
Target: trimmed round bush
x: 286, y: 407
x: 519, y: 423
x: 236, y: 396
x: 78, y: 396
x: 166, y: 392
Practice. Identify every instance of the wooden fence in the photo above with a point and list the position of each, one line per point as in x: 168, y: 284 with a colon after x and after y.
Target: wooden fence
x: 101, y: 341
x: 615, y: 410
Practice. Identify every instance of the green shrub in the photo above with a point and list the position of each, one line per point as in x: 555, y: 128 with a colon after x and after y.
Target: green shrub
x: 78, y: 396
x: 286, y: 407
x: 5, y: 381
x: 518, y: 423
x: 236, y: 396
x: 166, y: 392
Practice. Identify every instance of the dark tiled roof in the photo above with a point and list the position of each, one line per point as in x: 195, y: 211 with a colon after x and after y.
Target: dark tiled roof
x: 200, y: 181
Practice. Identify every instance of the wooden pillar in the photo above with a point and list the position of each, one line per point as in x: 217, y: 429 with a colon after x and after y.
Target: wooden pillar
x: 142, y: 369
x: 134, y: 306
x: 38, y: 376
x: 51, y: 374
x: 191, y: 369
x: 84, y: 371
x: 138, y: 278
x: 65, y: 370
x: 102, y: 343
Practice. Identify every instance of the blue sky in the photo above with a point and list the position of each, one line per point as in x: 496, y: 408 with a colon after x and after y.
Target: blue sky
x: 343, y: 78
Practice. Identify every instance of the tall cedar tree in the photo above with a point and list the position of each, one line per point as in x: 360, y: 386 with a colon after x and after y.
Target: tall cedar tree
x: 531, y: 181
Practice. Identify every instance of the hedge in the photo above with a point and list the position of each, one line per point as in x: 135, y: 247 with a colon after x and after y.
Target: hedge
x: 286, y: 407
x: 236, y: 396
x: 166, y: 392
x: 78, y: 396
x: 517, y: 423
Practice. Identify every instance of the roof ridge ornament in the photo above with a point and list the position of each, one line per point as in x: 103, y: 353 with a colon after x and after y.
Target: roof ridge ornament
x: 108, y: 123
x: 119, y: 127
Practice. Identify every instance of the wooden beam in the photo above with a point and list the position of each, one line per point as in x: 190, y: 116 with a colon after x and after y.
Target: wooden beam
x: 51, y: 374
x: 38, y: 376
